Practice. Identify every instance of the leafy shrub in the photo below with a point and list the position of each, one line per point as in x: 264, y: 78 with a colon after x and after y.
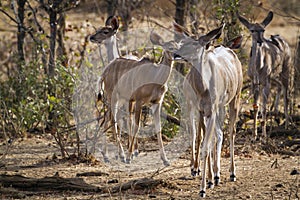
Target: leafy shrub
x: 25, y: 102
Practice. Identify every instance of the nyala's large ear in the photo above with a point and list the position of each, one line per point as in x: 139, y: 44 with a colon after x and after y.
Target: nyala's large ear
x: 218, y: 35
x: 112, y: 21
x: 235, y: 43
x: 243, y: 20
x: 268, y: 19
x: 156, y: 39
x: 214, y: 34
x: 108, y: 21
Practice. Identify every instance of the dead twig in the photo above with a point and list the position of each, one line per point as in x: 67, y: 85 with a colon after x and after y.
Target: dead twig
x: 275, y: 164
x: 160, y: 171
x: 92, y: 174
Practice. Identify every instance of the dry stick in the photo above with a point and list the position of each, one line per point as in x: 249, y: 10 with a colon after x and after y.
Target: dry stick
x: 158, y: 24
x: 159, y: 171
x: 275, y: 164
x: 10, y: 17
x: 163, y: 11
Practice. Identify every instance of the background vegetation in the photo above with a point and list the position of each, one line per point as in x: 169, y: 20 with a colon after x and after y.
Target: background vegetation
x: 44, y: 43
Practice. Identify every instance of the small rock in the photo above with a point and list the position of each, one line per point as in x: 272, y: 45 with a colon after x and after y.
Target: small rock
x: 279, y: 185
x: 152, y: 196
x: 294, y: 172
x: 112, y: 181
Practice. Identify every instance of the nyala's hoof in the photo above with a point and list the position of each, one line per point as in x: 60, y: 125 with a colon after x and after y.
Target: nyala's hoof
x: 232, y: 178
x: 202, y: 194
x: 217, y: 180
x: 136, y: 153
x: 106, y: 160
x: 210, y: 185
x: 167, y: 163
x: 195, y: 172
x: 128, y: 161
x: 123, y: 159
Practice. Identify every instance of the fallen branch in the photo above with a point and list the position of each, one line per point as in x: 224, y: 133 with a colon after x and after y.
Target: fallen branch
x: 92, y: 174
x: 46, y: 184
x: 56, y: 183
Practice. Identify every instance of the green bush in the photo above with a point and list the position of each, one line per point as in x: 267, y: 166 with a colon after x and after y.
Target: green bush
x: 26, y: 104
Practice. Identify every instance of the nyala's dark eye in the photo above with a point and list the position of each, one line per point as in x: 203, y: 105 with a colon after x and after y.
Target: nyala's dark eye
x: 105, y: 31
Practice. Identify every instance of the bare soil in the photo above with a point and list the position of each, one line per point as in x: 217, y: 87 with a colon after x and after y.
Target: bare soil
x: 260, y: 174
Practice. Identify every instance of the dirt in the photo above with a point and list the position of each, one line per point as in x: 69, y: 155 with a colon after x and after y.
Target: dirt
x: 260, y: 175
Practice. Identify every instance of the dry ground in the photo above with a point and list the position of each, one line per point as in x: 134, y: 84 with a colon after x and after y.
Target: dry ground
x: 260, y: 175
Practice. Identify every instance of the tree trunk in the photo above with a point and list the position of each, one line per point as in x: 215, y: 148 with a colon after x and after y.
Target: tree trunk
x: 53, y: 29
x: 52, y: 120
x: 180, y: 13
x: 51, y: 68
x: 180, y: 19
x: 61, y: 50
x: 21, y: 32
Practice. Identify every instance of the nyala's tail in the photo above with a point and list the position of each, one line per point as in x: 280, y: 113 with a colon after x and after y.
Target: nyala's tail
x: 99, y: 90
x: 99, y: 98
